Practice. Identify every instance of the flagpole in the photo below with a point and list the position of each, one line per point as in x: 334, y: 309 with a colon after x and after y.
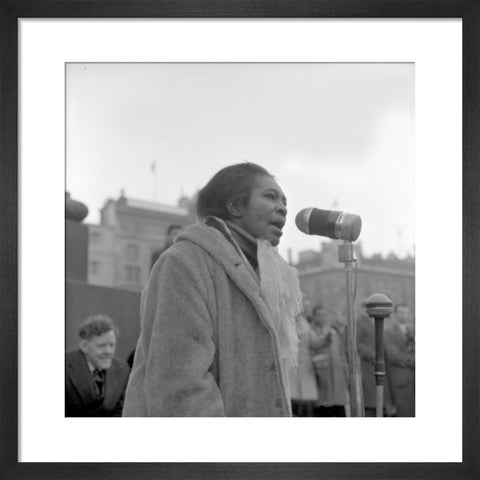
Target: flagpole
x: 153, y: 169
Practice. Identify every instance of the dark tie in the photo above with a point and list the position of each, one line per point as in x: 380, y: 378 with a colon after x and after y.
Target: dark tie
x: 98, y: 377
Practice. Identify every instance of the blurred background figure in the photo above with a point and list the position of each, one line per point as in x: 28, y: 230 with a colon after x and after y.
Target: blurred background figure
x: 172, y: 232
x: 400, y: 348
x: 339, y: 323
x: 366, y: 352
x: 303, y: 382
x: 95, y: 380
x: 329, y: 360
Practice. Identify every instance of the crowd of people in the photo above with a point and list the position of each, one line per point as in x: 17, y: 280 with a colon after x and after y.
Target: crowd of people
x: 320, y: 384
x: 223, y: 331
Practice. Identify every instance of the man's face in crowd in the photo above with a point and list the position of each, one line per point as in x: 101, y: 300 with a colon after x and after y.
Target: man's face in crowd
x: 403, y: 315
x: 319, y: 317
x: 100, y: 349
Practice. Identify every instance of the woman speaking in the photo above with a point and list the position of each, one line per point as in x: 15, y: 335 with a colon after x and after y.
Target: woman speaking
x: 218, y: 313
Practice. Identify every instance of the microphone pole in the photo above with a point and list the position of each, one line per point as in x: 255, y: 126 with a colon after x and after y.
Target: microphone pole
x: 379, y: 307
x: 357, y: 409
x: 346, y: 227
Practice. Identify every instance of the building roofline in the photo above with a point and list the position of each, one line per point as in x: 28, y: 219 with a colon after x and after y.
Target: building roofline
x: 361, y: 268
x: 156, y: 207
x: 99, y: 225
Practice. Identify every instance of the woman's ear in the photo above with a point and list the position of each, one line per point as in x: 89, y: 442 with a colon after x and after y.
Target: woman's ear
x: 235, y: 210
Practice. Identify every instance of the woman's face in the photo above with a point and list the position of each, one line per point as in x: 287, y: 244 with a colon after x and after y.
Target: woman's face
x: 265, y: 212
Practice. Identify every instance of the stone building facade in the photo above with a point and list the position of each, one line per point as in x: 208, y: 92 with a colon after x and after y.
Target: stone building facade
x: 130, y: 231
x: 322, y: 279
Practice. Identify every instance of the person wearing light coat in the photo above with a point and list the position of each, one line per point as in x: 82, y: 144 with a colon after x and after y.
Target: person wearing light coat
x: 218, y: 312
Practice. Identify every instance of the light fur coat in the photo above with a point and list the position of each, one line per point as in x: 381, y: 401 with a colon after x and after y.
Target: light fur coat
x: 208, y: 346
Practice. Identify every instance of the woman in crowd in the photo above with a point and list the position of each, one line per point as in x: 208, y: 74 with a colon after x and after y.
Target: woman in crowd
x: 218, y: 312
x: 329, y: 360
x: 303, y: 382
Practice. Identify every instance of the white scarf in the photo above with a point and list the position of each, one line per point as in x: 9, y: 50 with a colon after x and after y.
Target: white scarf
x: 280, y: 288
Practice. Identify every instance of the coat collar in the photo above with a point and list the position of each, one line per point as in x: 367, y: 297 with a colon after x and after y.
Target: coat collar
x: 245, y: 241
x: 81, y: 378
x: 219, y: 243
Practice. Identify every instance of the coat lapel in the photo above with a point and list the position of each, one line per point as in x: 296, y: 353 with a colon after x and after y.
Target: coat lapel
x: 237, y: 268
x: 80, y: 376
x: 228, y: 254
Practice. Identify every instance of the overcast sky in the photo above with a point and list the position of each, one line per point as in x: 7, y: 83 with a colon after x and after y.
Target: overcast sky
x: 333, y: 135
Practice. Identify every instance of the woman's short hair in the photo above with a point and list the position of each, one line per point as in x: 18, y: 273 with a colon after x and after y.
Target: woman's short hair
x: 232, y: 184
x: 96, y: 325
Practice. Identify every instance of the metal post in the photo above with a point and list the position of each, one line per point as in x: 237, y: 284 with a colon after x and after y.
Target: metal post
x: 345, y: 255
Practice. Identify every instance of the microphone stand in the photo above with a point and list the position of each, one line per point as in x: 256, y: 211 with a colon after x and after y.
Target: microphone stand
x: 379, y: 307
x: 357, y: 409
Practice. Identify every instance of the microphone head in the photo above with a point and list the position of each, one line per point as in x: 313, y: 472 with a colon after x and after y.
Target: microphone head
x: 302, y: 220
x: 378, y: 305
x: 329, y: 223
x: 348, y: 227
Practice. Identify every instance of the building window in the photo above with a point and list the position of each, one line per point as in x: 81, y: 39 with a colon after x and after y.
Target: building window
x: 132, y: 252
x: 94, y: 267
x: 132, y: 273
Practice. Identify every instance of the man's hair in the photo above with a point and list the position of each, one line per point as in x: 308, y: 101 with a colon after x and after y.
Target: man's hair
x: 317, y: 307
x: 173, y: 227
x: 96, y: 325
x: 232, y: 184
x: 400, y: 305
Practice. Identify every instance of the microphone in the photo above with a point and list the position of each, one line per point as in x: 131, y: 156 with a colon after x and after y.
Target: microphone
x: 329, y: 223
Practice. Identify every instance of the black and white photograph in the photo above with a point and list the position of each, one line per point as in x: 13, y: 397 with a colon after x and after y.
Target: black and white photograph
x: 240, y: 239
x: 232, y: 235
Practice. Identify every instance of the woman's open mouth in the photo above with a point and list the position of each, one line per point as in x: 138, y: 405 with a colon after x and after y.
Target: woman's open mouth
x: 278, y: 226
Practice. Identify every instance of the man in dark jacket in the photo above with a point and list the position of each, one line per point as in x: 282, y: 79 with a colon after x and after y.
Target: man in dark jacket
x: 95, y: 380
x: 400, y: 348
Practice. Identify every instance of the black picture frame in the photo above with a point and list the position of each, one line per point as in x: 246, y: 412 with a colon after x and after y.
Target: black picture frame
x: 11, y: 11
